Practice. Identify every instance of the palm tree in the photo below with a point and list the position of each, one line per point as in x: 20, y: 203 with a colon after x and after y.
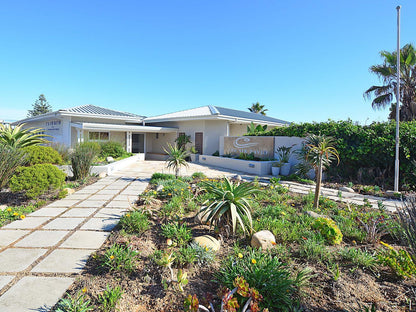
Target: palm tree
x: 19, y: 138
x: 257, y: 108
x: 387, y: 73
x: 320, y: 153
x: 176, y: 158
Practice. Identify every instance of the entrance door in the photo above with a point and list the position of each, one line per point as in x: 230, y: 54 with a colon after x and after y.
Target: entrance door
x: 199, y: 142
x: 137, y: 143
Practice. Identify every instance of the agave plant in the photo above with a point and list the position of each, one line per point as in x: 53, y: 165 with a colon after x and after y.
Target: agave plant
x: 18, y: 137
x: 229, y: 204
x: 176, y: 158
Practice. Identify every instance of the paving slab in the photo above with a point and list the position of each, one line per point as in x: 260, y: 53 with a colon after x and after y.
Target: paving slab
x: 85, y: 240
x: 63, y: 203
x: 27, y: 223
x: 9, y: 236
x: 116, y: 186
x: 100, y: 224
x: 63, y: 224
x: 64, y: 261
x: 128, y: 198
x: 86, y: 191
x: 91, y: 204
x: 79, y: 212
x: 47, y: 212
x: 77, y: 196
x: 33, y: 293
x: 110, y: 213
x: 100, y: 197
x: 108, y: 192
x: 18, y: 259
x: 4, y: 280
x: 118, y: 204
x: 42, y: 239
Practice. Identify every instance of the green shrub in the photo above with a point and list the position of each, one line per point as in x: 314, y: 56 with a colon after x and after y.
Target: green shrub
x: 42, y: 155
x: 112, y: 149
x: 314, y: 249
x: 185, y: 255
x: 198, y: 175
x: 95, y: 146
x: 267, y: 274
x: 180, y: 234
x: 82, y: 159
x: 359, y: 257
x: 174, y: 208
x: 37, y: 179
x: 10, y: 159
x: 329, y: 229
x: 204, y: 256
x: 109, y: 298
x: 161, y: 176
x: 119, y: 258
x: 399, y: 261
x: 75, y: 304
x: 14, y: 213
x: 135, y: 223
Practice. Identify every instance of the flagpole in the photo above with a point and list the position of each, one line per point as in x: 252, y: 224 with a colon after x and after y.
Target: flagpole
x: 396, y: 164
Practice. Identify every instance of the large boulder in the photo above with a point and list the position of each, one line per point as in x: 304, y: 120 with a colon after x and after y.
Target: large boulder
x: 208, y: 241
x: 346, y: 189
x: 263, y: 239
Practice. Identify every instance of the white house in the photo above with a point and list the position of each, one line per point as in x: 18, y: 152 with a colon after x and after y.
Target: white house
x: 150, y: 135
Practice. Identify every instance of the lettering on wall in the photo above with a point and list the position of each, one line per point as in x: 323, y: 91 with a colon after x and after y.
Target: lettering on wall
x: 262, y: 147
x: 53, y: 125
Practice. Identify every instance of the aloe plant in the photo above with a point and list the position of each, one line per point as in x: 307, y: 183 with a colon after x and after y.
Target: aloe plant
x: 18, y: 137
x: 229, y: 204
x: 176, y: 159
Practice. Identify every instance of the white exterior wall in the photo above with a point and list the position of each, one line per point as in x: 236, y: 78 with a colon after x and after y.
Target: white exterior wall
x: 212, y: 133
x: 157, y: 145
x: 57, y: 128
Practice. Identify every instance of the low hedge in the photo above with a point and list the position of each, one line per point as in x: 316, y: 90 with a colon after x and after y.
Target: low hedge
x: 42, y: 155
x: 366, y: 152
x: 37, y: 179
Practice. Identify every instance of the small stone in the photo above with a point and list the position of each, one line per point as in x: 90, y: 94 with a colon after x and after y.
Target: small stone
x: 263, y: 239
x: 109, y: 159
x: 346, y: 189
x: 102, y: 174
x: 69, y: 190
x: 159, y: 188
x: 2, y: 207
x: 208, y: 241
x: 238, y: 177
x: 315, y: 215
x: 393, y: 194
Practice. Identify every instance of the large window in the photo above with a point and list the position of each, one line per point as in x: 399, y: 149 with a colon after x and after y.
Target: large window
x: 98, y: 136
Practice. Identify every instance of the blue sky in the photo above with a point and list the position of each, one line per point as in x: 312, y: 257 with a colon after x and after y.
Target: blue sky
x: 304, y: 60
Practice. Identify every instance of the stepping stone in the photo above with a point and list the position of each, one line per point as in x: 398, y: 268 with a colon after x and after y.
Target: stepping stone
x: 9, y: 236
x: 100, y: 224
x: 128, y: 198
x: 42, y: 239
x: 85, y: 240
x: 27, y: 223
x: 77, y: 196
x: 86, y: 191
x: 116, y: 186
x: 64, y: 261
x: 131, y: 192
x: 18, y: 259
x: 4, y: 280
x: 34, y: 293
x: 108, y: 192
x: 64, y: 224
x: 47, y: 212
x: 79, y: 212
x: 63, y: 203
x: 118, y: 204
x: 110, y: 213
x: 91, y: 203
x: 101, y: 197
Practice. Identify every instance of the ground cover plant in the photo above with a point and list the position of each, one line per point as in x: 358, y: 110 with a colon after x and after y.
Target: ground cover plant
x: 337, y: 259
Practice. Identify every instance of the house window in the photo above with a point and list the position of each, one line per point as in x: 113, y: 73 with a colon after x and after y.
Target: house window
x: 98, y: 136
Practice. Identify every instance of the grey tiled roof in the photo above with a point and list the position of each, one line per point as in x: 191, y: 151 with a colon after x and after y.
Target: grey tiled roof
x: 247, y: 115
x: 96, y: 110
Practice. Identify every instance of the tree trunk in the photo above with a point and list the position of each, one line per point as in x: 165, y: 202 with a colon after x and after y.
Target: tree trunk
x: 318, y: 185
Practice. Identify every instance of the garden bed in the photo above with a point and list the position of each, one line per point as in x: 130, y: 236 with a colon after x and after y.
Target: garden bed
x: 248, y: 166
x: 349, y: 276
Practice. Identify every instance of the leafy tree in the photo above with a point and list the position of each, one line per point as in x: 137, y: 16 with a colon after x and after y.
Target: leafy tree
x: 384, y: 94
x: 257, y: 108
x: 320, y: 153
x: 19, y: 138
x: 255, y: 130
x: 176, y: 158
x: 41, y: 106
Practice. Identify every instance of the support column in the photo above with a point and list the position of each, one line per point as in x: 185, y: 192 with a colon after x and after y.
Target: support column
x: 80, y: 136
x: 128, y: 141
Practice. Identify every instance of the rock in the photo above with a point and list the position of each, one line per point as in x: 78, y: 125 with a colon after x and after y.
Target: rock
x: 109, y: 159
x: 102, y: 174
x: 346, y: 189
x: 263, y: 239
x: 208, y: 242
x: 201, y: 217
x: 159, y: 188
x: 238, y: 177
x: 315, y: 215
x: 2, y: 207
x: 393, y: 194
x: 69, y: 190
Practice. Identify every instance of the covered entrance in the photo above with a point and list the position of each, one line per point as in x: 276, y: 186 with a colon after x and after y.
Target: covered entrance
x: 137, y: 143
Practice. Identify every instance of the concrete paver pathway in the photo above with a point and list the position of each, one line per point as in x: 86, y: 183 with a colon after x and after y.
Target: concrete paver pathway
x: 41, y: 255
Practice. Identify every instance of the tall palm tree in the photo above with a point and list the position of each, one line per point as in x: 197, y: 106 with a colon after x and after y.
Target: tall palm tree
x: 387, y: 72
x: 257, y: 108
x: 320, y: 153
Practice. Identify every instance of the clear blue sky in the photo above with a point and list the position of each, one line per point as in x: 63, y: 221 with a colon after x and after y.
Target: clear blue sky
x: 304, y: 60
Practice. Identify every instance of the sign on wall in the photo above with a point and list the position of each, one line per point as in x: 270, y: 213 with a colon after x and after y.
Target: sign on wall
x: 53, y: 125
x: 262, y: 147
